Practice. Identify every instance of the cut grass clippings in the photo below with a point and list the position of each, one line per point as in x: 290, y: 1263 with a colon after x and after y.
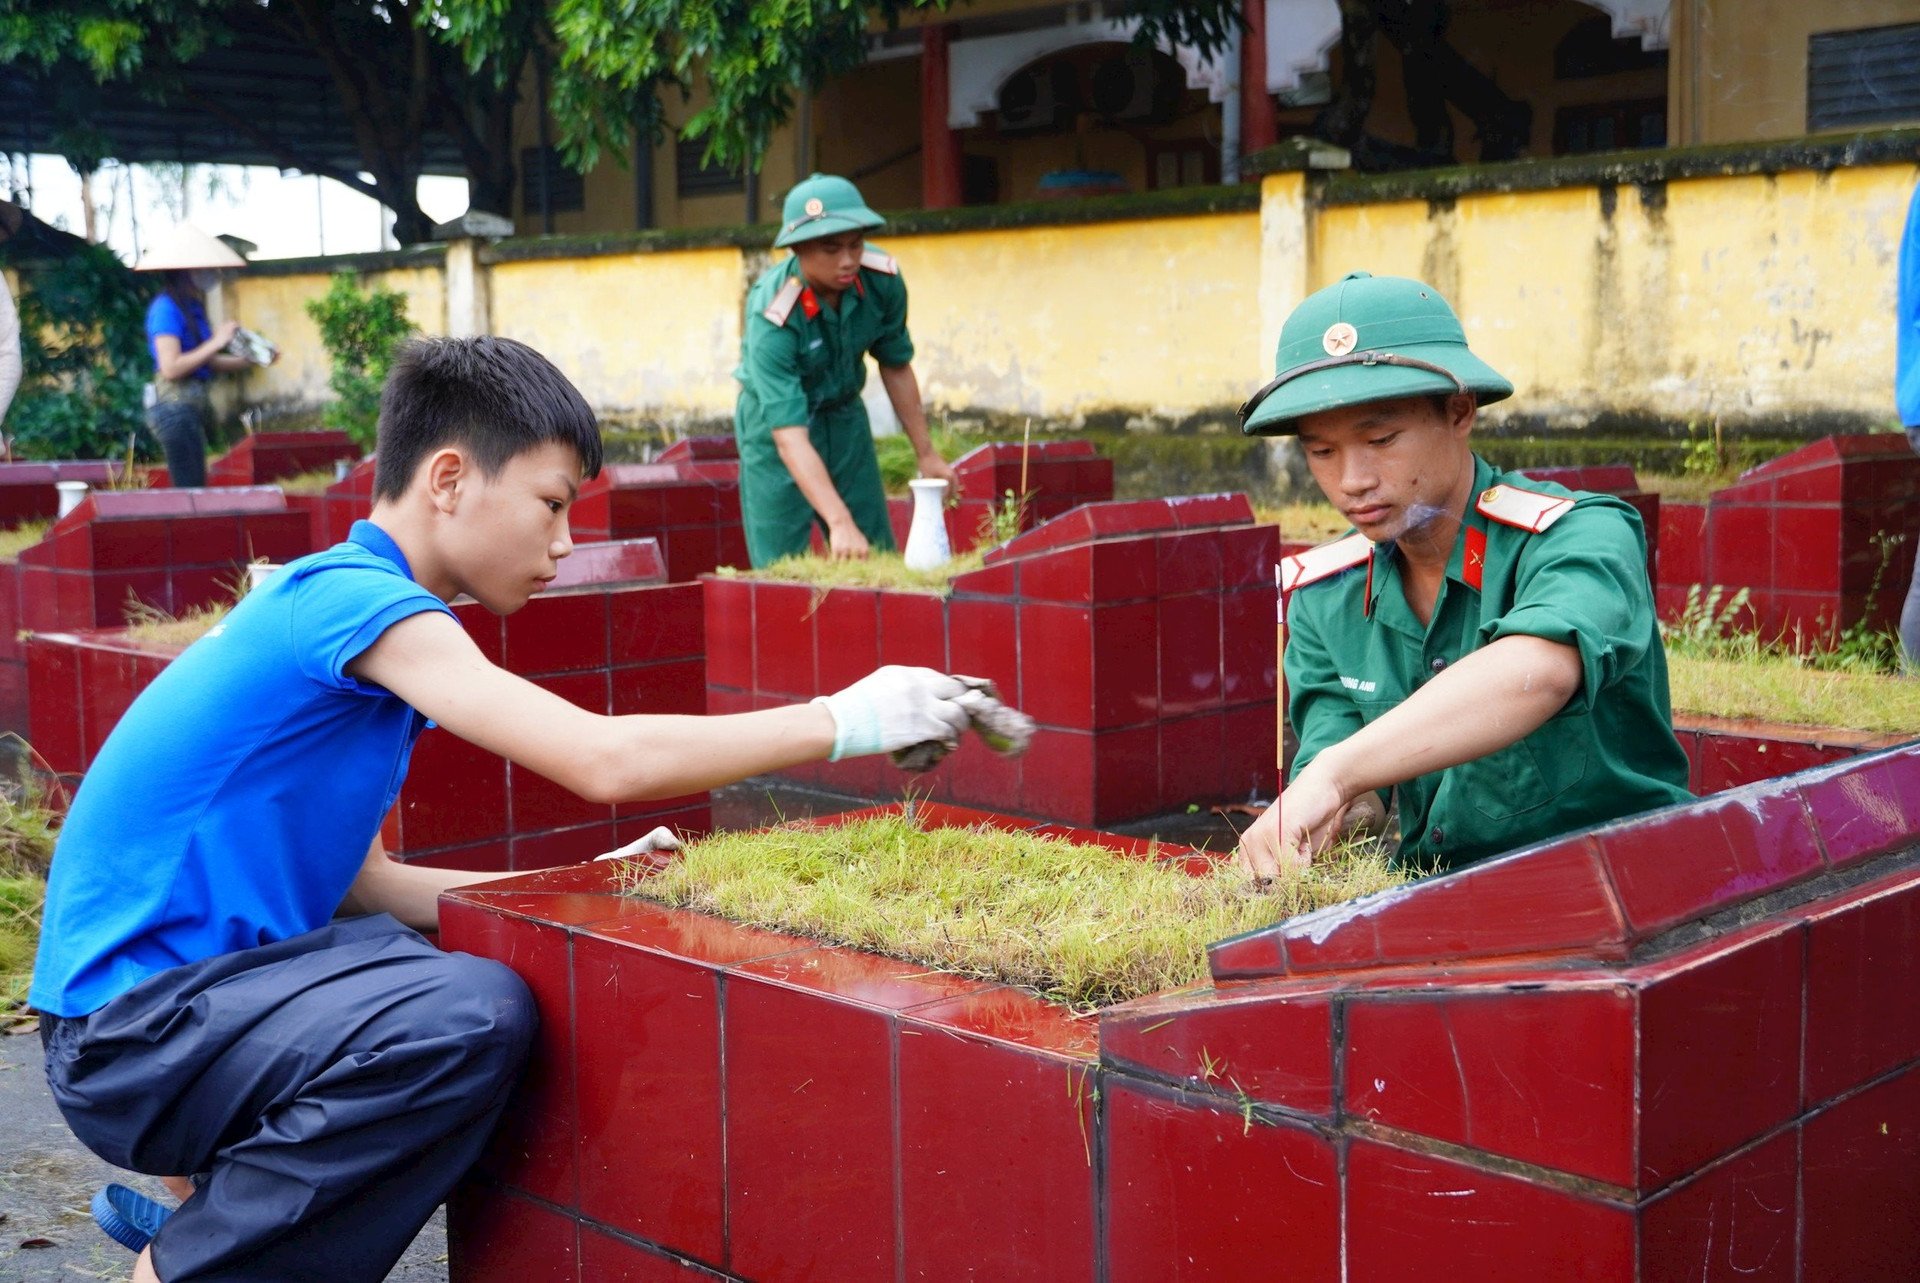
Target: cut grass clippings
x: 27, y: 830
x: 152, y: 626
x: 1076, y: 923
x: 309, y: 483
x: 886, y: 570
x: 1777, y: 689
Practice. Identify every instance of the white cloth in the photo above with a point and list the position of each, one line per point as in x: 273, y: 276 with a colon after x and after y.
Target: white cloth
x: 9, y: 347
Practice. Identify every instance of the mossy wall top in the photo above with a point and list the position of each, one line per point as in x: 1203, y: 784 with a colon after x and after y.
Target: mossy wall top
x: 1754, y: 285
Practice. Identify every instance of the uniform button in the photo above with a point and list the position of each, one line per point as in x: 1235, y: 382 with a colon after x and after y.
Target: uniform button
x: 1439, y: 834
x: 1438, y: 664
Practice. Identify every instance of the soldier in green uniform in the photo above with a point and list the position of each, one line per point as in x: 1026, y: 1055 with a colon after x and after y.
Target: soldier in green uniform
x: 806, y: 448
x: 1484, y: 645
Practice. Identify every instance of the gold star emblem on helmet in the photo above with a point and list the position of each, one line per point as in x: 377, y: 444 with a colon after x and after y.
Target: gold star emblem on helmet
x: 1340, y: 339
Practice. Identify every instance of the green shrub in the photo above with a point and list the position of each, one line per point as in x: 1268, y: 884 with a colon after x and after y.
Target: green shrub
x: 361, y: 333
x: 84, y: 360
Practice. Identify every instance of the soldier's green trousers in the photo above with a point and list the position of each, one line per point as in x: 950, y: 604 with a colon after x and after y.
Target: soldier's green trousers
x: 779, y: 520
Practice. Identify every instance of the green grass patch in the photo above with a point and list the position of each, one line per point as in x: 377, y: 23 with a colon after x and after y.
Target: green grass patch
x: 898, y: 464
x: 23, y: 536
x: 881, y: 570
x: 1782, y: 688
x: 151, y: 626
x: 1075, y: 923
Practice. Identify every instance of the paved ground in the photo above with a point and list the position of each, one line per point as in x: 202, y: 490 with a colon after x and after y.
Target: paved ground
x: 47, y: 1177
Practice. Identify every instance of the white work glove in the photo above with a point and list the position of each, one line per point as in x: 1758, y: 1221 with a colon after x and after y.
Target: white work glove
x: 661, y: 839
x: 893, y: 708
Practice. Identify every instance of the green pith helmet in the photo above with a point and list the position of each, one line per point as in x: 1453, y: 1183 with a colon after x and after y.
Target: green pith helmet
x: 1367, y: 338
x: 823, y: 205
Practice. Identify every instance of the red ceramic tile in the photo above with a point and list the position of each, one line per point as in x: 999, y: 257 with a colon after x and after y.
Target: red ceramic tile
x: 810, y: 1137
x: 1126, y: 777
x: 1739, y: 547
x: 1191, y: 760
x: 487, y: 630
x: 679, y: 687
x: 1275, y: 1048
x: 1720, y: 1053
x: 1421, y: 1218
x: 558, y: 634
x: 198, y: 541
x: 605, y: 1258
x: 728, y: 610
x: 1124, y: 570
x: 983, y: 642
x: 1250, y: 753
x: 1551, y: 899
x: 1065, y: 576
x: 552, y: 848
x: 648, y: 1083
x: 1249, y: 654
x: 1865, y: 808
x: 649, y: 624
x: 1056, y: 659
x: 1189, y: 639
x: 117, y: 592
x: 1858, y: 954
x: 455, y: 793
x: 1732, y: 760
x: 847, y: 633
x: 1807, y: 549
x: 1734, y: 1223
x: 996, y: 581
x: 1861, y: 1182
x: 913, y: 630
x: 533, y: 1148
x: 1256, y: 955
x: 1057, y: 777
x: 141, y: 545
x: 783, y: 640
x: 494, y: 1236
x: 54, y: 704
x: 1684, y: 863
x: 1196, y: 1191
x: 275, y: 536
x: 1126, y: 665
x: 1188, y: 563
x: 1545, y: 1076
x: 973, y: 774
x: 1248, y: 555
x: 996, y: 1159
x: 476, y: 857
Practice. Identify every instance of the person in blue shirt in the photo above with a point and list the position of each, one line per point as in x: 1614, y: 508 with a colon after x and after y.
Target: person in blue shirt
x: 187, y: 350
x: 1906, y: 396
x: 315, y: 1085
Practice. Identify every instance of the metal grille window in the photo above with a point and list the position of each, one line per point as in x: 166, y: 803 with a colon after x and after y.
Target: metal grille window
x: 1869, y: 77
x: 569, y: 189
x: 694, y: 177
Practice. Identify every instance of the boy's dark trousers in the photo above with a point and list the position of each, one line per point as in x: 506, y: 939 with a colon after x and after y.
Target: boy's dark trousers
x: 330, y: 1089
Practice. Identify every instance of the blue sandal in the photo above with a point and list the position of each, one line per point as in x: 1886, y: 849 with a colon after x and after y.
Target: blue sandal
x: 127, y: 1216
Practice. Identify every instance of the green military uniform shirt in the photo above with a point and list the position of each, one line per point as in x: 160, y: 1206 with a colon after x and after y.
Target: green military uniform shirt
x: 1355, y: 649
x: 802, y: 364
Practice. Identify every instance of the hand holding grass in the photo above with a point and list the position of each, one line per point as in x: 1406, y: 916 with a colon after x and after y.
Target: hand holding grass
x: 893, y: 708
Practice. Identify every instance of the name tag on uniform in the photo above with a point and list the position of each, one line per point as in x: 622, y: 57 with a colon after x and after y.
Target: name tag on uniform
x: 1355, y: 684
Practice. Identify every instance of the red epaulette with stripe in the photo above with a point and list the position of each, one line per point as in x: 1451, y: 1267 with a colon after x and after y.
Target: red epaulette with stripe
x: 1527, y: 510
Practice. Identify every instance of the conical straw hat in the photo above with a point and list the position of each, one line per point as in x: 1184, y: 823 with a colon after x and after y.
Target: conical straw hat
x: 184, y: 248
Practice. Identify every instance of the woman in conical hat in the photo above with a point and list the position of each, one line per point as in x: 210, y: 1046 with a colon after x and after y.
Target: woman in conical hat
x: 187, y: 351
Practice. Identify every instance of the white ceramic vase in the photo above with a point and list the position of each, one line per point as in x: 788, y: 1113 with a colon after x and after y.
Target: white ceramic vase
x: 72, y: 493
x: 927, y: 547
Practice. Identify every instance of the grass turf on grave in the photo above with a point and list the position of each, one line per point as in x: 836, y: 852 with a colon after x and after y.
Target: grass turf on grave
x: 883, y: 570
x: 308, y: 483
x: 1307, y: 522
x: 27, y: 830
x: 23, y: 536
x: 1783, y: 688
x: 1076, y: 923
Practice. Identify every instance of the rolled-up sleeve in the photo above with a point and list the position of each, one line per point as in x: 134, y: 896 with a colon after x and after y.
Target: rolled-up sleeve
x: 772, y: 373
x: 895, y: 344
x: 1583, y: 583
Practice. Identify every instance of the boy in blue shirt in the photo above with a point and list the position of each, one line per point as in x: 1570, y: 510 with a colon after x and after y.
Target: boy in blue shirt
x: 327, y: 1082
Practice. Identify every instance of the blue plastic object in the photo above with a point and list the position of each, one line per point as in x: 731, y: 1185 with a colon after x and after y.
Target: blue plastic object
x: 127, y: 1216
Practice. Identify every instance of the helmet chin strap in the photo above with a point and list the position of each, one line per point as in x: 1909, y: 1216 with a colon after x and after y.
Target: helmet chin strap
x: 1370, y: 357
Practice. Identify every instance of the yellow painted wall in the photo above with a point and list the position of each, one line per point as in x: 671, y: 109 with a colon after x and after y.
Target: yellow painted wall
x: 652, y: 332
x: 1160, y: 315
x: 1746, y: 297
x: 275, y: 306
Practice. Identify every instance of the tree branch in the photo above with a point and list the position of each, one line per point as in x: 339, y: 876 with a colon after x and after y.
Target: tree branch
x: 283, y: 155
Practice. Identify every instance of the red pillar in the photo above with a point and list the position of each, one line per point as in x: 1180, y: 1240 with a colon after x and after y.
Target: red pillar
x: 939, y: 145
x: 1257, y: 125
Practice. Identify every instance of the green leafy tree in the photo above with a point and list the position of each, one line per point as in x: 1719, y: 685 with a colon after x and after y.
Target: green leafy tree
x: 84, y: 359
x: 361, y: 333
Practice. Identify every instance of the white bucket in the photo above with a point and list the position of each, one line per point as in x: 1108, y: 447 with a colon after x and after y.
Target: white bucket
x: 71, y: 493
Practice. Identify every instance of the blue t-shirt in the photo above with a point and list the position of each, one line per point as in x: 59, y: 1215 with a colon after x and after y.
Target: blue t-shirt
x: 235, y: 802
x: 1906, y: 350
x: 190, y: 327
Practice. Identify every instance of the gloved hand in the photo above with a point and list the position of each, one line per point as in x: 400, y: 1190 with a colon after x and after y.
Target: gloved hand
x: 894, y: 707
x: 661, y: 839
x: 1007, y: 731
